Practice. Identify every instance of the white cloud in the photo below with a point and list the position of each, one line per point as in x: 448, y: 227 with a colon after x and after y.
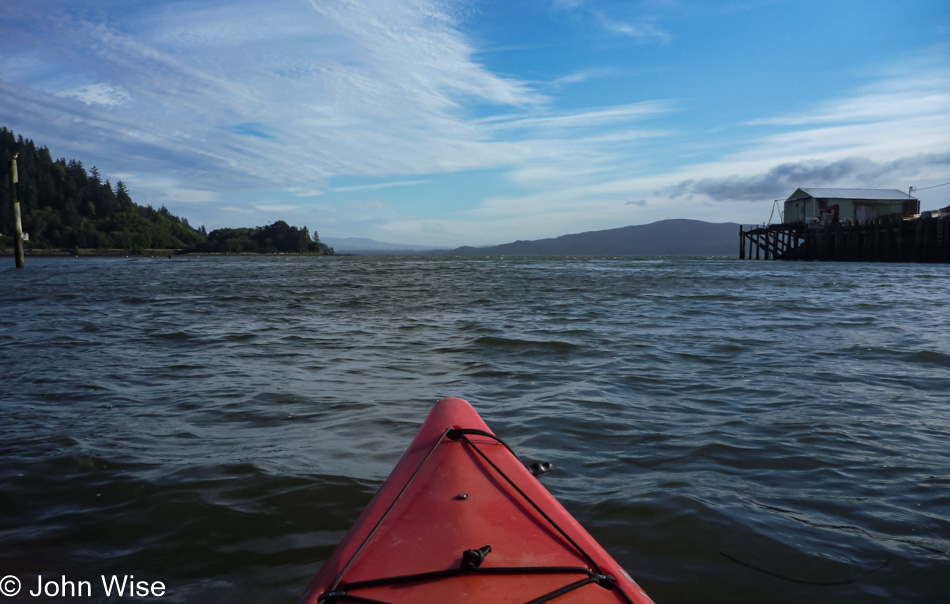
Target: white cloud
x: 891, y: 134
x: 871, y: 107
x: 382, y: 185
x: 179, y: 195
x: 642, y: 32
x: 302, y: 192
x: 363, y: 88
x: 97, y: 94
x: 584, y: 75
x: 287, y: 97
x: 275, y: 207
x: 158, y: 190
x: 542, y: 124
x: 911, y: 87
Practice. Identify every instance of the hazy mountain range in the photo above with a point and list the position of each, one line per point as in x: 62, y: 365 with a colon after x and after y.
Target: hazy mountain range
x: 675, y: 237
x: 350, y: 245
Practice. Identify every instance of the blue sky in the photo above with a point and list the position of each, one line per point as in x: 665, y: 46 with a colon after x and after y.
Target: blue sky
x: 459, y: 122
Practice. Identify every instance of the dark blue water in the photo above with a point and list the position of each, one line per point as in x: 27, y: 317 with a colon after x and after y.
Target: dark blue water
x: 216, y: 424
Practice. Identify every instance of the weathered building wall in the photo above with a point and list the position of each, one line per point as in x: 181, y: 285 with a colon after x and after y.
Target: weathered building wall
x: 804, y: 205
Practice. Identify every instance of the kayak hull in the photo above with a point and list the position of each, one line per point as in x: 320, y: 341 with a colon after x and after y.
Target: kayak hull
x: 459, y: 488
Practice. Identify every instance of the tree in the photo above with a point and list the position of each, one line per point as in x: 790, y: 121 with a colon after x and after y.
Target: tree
x: 64, y: 206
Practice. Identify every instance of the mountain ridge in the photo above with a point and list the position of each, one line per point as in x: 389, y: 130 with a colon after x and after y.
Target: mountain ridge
x: 364, y: 244
x: 670, y: 237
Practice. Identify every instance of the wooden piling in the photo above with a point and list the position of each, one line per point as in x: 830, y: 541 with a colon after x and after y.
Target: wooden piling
x: 17, y: 226
x: 925, y: 239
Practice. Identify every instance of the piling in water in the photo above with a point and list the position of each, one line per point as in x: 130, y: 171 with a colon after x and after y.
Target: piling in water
x: 17, y: 226
x: 922, y: 239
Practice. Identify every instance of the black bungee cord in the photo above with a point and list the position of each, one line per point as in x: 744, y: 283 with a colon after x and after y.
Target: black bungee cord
x: 473, y: 558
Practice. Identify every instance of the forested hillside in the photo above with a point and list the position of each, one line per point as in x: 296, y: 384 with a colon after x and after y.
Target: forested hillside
x: 277, y: 237
x: 65, y: 206
x: 62, y: 205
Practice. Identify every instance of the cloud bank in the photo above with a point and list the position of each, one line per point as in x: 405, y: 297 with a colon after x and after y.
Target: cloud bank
x: 780, y: 181
x: 284, y: 94
x: 438, y: 121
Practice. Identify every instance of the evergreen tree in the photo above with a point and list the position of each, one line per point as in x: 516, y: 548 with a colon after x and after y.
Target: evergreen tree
x: 64, y: 206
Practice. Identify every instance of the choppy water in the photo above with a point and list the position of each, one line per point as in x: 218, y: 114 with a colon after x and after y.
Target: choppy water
x: 218, y: 423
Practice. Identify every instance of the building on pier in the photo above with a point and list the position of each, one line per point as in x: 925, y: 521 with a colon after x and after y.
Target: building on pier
x: 857, y: 206
x: 865, y: 225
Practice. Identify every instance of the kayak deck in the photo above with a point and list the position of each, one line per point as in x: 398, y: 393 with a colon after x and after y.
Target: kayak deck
x: 460, y: 519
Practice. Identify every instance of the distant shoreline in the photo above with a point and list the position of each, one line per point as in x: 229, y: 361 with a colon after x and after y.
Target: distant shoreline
x: 146, y: 253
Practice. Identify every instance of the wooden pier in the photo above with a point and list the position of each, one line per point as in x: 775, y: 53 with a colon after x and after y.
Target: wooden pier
x: 894, y: 239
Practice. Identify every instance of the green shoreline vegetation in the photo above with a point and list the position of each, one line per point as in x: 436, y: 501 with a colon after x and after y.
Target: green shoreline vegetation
x: 69, y: 211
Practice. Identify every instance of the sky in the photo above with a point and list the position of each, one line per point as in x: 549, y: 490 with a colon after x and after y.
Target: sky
x: 460, y: 122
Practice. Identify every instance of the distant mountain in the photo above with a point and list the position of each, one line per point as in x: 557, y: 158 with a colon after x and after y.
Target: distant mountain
x: 361, y: 244
x: 676, y: 237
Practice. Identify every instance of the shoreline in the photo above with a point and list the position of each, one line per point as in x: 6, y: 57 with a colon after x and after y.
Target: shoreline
x: 146, y: 253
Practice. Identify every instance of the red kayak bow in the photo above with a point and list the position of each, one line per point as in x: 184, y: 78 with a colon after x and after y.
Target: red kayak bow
x: 460, y: 519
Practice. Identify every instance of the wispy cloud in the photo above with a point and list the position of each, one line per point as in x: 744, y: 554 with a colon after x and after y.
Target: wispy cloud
x: 363, y: 88
x: 263, y: 107
x: 642, y: 32
x: 275, y: 207
x: 915, y: 86
x: 302, y: 192
x: 870, y: 142
x: 381, y: 185
x: 546, y: 124
x: 870, y: 107
x: 579, y: 77
x: 97, y: 94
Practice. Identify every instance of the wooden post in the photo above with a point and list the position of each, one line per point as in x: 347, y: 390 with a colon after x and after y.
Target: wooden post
x: 741, y: 242
x: 18, y: 228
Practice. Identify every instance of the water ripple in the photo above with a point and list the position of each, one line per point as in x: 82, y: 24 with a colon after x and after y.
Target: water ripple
x: 220, y: 422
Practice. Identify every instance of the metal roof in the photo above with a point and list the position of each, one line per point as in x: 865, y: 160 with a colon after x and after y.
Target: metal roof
x: 876, y: 194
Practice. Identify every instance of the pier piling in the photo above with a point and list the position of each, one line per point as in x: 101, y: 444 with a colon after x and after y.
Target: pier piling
x: 922, y: 239
x: 17, y: 226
